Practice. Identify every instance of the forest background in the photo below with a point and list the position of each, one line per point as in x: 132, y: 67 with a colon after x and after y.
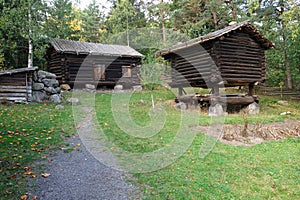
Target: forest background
x: 147, y: 26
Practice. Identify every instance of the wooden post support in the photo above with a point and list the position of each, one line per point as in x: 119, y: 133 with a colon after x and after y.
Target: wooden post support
x: 216, y: 91
x: 251, y: 89
x: 180, y: 91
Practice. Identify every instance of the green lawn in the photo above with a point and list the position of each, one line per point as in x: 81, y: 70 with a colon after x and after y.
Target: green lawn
x: 266, y: 171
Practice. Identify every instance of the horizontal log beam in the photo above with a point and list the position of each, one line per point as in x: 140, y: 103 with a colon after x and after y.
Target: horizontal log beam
x: 13, y: 98
x: 15, y: 87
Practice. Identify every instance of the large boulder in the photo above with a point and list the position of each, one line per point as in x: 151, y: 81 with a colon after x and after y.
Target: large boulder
x: 181, y: 106
x: 90, y: 86
x: 253, y: 109
x: 37, y: 86
x: 38, y: 96
x: 216, y: 110
x: 55, y: 98
x: 43, y: 74
x: 65, y: 87
x: 58, y: 90
x: 118, y: 87
x: 283, y: 103
x: 50, y: 90
x: 137, y: 88
x: 50, y: 82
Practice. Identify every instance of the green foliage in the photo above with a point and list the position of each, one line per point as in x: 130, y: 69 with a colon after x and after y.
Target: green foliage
x: 280, y: 24
x: 48, y: 20
x: 196, y: 18
x: 12, y: 33
x: 124, y: 16
x: 151, y: 70
x: 148, y: 40
x: 60, y: 19
x: 139, y: 23
x: 92, y: 23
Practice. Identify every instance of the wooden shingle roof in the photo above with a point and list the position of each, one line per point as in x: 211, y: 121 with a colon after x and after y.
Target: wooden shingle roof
x: 76, y: 47
x: 244, y: 26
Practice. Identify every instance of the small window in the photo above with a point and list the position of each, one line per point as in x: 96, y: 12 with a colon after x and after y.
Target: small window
x: 99, y: 72
x: 126, y: 71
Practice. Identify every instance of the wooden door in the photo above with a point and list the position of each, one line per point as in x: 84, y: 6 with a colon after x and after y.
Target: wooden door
x: 99, y: 72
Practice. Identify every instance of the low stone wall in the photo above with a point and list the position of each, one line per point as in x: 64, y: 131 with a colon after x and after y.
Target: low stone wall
x: 45, y: 88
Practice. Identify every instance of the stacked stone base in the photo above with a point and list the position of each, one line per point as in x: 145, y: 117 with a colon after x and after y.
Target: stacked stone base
x: 45, y: 88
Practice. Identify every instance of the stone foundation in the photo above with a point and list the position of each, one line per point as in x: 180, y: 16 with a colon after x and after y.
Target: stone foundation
x: 45, y: 88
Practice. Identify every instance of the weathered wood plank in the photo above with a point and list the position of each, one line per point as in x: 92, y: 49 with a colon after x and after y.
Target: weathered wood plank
x: 14, y: 87
x: 13, y: 94
x: 14, y: 98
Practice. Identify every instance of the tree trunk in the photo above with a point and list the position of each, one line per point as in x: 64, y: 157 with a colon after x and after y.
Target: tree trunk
x: 30, y: 43
x: 163, y: 23
x: 233, y: 9
x: 288, y: 74
x: 214, y: 14
x: 233, y: 12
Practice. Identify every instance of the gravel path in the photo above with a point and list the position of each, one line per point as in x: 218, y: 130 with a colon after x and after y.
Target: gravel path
x: 78, y: 175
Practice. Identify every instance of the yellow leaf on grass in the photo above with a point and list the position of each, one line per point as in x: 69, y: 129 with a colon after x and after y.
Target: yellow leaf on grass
x: 24, y: 197
x: 29, y: 173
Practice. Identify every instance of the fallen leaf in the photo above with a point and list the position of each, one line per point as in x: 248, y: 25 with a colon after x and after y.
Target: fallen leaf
x: 29, y: 173
x: 46, y: 175
x: 24, y: 197
x: 34, y: 198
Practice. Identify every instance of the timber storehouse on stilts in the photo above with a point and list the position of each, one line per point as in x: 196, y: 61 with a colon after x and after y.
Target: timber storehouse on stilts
x: 233, y: 56
x: 93, y: 63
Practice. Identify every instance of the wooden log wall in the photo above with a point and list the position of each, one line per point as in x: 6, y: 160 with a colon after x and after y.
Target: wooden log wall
x: 67, y: 66
x: 193, y: 66
x: 55, y: 61
x: 240, y: 59
x: 74, y: 63
x: 16, y: 87
x: 235, y: 59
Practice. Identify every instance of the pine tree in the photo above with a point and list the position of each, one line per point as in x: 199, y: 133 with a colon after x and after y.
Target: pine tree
x: 92, y: 23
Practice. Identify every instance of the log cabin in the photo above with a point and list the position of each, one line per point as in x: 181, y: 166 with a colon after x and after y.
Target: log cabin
x: 93, y: 63
x: 233, y: 56
x: 16, y: 84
